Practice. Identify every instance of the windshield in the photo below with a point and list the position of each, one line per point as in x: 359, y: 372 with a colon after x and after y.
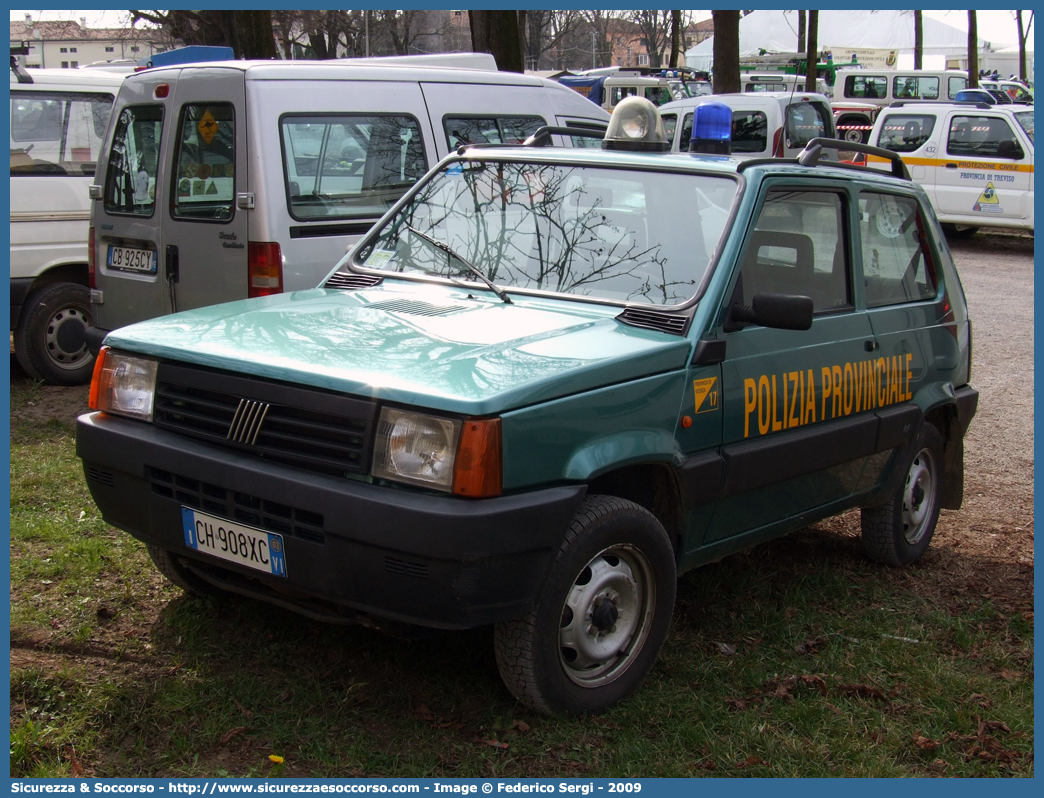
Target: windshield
x: 1025, y: 119
x: 629, y: 236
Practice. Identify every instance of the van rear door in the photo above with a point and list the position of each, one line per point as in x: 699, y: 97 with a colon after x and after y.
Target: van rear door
x: 127, y: 217
x: 205, y: 234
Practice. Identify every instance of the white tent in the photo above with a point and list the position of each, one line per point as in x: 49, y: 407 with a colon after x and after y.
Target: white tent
x: 776, y: 31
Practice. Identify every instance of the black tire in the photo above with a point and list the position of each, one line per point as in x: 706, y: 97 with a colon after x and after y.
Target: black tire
x: 167, y: 563
x: 50, y: 340
x: 959, y: 231
x: 899, y: 531
x: 577, y: 652
x: 856, y: 136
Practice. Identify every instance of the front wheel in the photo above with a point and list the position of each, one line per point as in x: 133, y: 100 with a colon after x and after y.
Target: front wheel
x: 855, y: 136
x: 601, y: 617
x: 899, y: 531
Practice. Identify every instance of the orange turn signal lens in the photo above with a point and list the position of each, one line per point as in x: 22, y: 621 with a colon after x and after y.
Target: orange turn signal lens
x: 478, y: 471
x: 96, y: 378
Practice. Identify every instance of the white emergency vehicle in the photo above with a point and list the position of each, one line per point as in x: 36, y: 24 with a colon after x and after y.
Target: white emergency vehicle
x: 58, y: 122
x: 975, y: 161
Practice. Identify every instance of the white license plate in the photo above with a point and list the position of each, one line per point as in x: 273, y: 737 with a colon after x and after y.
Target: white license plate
x: 235, y: 542
x: 131, y: 259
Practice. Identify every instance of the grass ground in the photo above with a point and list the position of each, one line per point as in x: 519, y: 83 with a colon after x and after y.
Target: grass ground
x: 797, y: 658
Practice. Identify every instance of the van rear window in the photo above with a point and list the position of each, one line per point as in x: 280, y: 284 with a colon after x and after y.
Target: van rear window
x: 749, y: 132
x: 204, y: 181
x: 349, y: 165
x: 130, y: 181
x: 57, y: 133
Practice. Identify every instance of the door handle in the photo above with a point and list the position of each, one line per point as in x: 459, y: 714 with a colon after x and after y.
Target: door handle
x: 951, y: 166
x: 173, y: 264
x: 870, y: 345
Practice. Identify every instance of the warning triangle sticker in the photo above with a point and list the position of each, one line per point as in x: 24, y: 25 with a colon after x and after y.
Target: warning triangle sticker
x: 706, y: 395
x: 989, y: 195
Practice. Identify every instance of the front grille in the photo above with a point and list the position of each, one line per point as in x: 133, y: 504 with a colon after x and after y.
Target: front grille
x: 315, y: 430
x: 250, y: 510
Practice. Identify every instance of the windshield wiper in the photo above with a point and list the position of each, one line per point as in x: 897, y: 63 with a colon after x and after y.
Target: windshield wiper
x: 500, y: 292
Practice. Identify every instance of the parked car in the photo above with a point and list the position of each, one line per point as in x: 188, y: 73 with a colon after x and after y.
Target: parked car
x: 859, y: 94
x: 548, y: 381
x: 235, y: 179
x: 975, y: 161
x: 1019, y: 92
x: 58, y: 121
x: 763, y: 123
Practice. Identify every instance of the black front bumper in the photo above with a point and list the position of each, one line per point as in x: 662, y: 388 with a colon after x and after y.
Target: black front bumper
x: 430, y: 560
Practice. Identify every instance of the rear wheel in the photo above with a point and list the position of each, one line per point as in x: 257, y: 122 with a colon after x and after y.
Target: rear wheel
x: 855, y: 136
x: 50, y: 341
x: 601, y: 617
x: 899, y: 531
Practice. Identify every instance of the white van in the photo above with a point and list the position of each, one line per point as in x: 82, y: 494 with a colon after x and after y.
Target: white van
x: 764, y: 124
x: 755, y: 82
x: 58, y: 123
x: 974, y: 160
x: 237, y: 179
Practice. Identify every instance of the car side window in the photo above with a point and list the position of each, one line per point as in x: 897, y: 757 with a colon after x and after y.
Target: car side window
x: 981, y: 136
x: 954, y: 85
x: 490, y: 129
x: 897, y: 262
x: 906, y: 132
x: 670, y: 125
x: 204, y: 163
x: 130, y: 182
x: 57, y: 133
x: 868, y: 86
x: 798, y: 247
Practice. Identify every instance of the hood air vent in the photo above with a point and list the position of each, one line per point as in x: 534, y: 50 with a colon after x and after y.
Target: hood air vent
x: 670, y: 323
x: 414, y: 308
x: 349, y: 282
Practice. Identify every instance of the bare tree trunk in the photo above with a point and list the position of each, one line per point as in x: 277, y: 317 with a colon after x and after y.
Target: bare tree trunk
x: 498, y: 32
x: 812, y: 53
x: 973, y: 51
x: 1023, y: 36
x: 726, y: 51
x: 918, y: 39
x: 677, y: 55
x: 801, y: 31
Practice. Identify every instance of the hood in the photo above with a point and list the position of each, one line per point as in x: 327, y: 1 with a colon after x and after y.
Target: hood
x: 424, y: 345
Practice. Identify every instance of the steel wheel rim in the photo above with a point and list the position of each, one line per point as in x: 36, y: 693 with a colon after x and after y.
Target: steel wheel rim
x: 919, y: 497
x: 58, y: 354
x: 890, y: 222
x: 619, y: 576
x: 854, y: 136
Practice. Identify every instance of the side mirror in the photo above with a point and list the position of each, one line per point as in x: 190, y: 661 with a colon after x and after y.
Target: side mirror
x: 778, y: 311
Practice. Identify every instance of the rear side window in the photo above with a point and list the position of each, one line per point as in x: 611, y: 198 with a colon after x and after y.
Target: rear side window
x: 490, y: 129
x: 866, y: 86
x: 954, y: 85
x: 130, y: 182
x: 57, y: 133
x: 1025, y: 120
x: 804, y: 123
x: 670, y: 127
x: 204, y: 163
x: 980, y: 136
x: 349, y: 165
x: 897, y: 264
x: 913, y: 87
x: 906, y: 132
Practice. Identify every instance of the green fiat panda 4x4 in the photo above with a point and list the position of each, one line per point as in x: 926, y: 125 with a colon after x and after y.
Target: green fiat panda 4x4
x: 548, y: 382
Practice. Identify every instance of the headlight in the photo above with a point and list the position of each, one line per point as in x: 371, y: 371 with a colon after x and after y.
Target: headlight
x: 416, y: 448
x: 124, y: 385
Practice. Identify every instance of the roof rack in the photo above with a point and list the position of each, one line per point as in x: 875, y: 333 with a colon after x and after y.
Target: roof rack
x: 542, y: 136
x: 814, y: 149
x: 18, y: 54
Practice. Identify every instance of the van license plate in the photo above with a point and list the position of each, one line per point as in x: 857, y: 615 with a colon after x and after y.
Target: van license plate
x: 129, y: 259
x: 235, y: 542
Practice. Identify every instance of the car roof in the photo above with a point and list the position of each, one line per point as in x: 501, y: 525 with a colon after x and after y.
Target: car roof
x: 942, y: 107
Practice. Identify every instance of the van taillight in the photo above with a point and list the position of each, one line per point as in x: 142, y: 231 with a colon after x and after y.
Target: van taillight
x: 91, y: 281
x: 776, y: 151
x: 265, y: 269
